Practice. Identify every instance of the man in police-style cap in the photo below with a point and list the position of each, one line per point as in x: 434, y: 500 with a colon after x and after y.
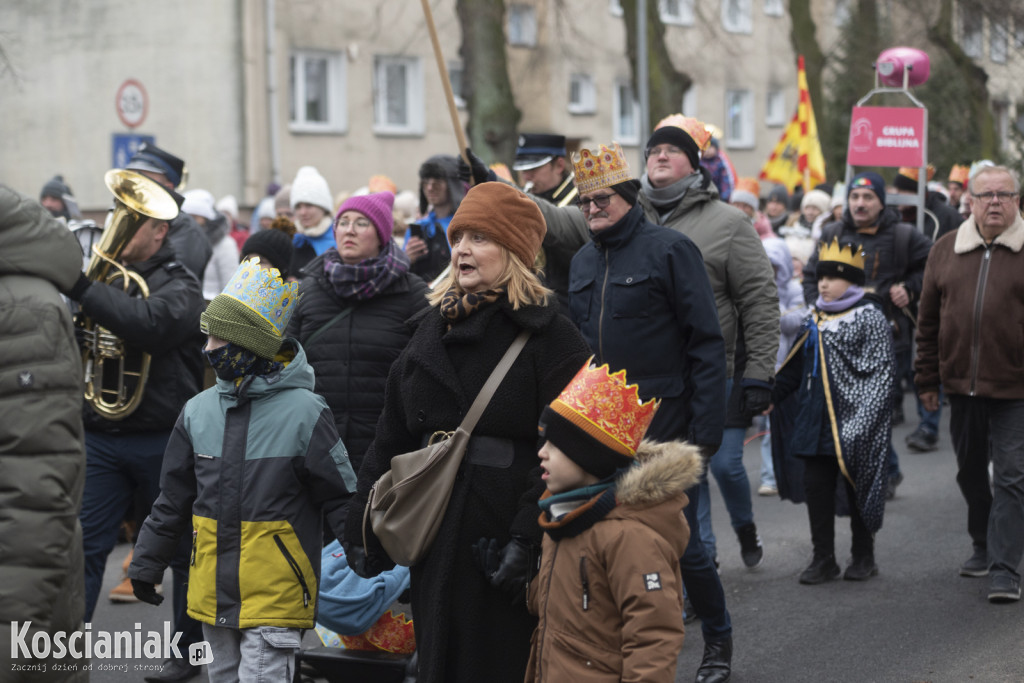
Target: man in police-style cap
x: 187, y: 240
x: 542, y: 167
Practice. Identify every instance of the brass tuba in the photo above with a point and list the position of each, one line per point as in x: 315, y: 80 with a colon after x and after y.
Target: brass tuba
x: 114, y: 391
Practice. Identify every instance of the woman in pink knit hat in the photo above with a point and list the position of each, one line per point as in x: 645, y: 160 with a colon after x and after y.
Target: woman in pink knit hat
x: 354, y: 300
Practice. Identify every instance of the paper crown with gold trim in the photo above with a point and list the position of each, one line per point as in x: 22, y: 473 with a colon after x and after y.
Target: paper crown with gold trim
x: 959, y: 174
x: 598, y: 420
x: 593, y: 169
x: 750, y: 185
x: 846, y: 261
x: 253, y: 310
x: 696, y: 129
x: 906, y: 178
x: 390, y: 633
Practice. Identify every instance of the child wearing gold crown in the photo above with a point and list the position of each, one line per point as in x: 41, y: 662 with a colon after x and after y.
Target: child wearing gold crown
x: 609, y: 594
x: 842, y: 367
x: 251, y: 468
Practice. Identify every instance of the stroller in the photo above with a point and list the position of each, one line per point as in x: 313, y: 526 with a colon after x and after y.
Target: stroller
x: 362, y: 624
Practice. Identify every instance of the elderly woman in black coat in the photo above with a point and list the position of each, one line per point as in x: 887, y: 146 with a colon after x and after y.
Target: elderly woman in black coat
x: 354, y: 303
x: 468, y: 626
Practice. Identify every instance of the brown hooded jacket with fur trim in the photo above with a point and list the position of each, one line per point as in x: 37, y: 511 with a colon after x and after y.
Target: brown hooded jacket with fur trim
x: 610, y: 599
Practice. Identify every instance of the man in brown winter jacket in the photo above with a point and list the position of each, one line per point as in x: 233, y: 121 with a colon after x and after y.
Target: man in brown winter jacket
x: 969, y: 339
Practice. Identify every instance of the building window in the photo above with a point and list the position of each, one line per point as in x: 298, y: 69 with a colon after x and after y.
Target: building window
x: 971, y: 40
x: 398, y: 96
x: 736, y: 16
x: 1018, y: 32
x: 615, y: 8
x: 676, y: 12
x: 1001, y: 118
x: 689, y: 107
x: 773, y: 8
x: 626, y: 117
x: 582, y: 98
x: 1019, y: 123
x: 522, y: 25
x: 775, y: 108
x: 997, y: 43
x: 316, y: 92
x: 739, y: 119
x: 455, y: 78
x: 842, y: 13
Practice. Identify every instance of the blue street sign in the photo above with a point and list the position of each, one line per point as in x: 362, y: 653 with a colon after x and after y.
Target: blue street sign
x: 125, y: 145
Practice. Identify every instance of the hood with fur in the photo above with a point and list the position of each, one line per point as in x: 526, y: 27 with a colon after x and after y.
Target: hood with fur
x: 663, y: 471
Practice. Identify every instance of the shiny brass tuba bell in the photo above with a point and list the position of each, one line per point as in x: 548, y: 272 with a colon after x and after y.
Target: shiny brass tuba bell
x: 115, y: 390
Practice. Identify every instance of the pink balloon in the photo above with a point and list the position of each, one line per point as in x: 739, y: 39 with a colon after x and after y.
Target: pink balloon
x: 892, y: 62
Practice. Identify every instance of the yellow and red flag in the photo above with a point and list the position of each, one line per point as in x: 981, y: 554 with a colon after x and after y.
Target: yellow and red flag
x: 797, y: 158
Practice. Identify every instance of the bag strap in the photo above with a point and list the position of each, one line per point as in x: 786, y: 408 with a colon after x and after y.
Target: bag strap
x: 326, y: 326
x: 491, y: 385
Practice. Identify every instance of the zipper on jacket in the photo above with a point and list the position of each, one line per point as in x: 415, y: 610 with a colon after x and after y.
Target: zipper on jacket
x: 585, y: 580
x: 600, y: 318
x: 295, y: 568
x: 195, y: 533
x: 979, y: 299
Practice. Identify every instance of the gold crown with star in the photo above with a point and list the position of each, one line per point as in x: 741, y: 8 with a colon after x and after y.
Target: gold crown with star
x: 845, y: 255
x: 606, y: 408
x: 593, y: 169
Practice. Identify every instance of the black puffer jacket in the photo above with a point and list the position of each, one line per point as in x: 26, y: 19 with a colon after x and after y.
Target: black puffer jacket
x: 166, y: 326
x: 352, y: 358
x: 467, y: 630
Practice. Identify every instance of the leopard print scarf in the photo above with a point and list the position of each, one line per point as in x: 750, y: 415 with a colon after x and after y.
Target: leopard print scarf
x: 456, y: 306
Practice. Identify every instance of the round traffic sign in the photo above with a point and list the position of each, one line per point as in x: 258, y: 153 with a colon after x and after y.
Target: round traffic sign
x: 132, y: 103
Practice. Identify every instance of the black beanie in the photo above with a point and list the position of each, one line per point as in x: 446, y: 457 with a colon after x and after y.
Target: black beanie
x: 273, y: 245
x: 628, y: 190
x: 56, y: 188
x: 673, y: 135
x: 583, y: 449
x: 902, y: 182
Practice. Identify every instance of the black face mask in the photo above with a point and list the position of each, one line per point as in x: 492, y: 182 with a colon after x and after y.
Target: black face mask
x: 231, y: 361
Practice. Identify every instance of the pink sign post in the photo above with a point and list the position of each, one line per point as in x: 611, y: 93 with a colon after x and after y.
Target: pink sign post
x: 887, y: 136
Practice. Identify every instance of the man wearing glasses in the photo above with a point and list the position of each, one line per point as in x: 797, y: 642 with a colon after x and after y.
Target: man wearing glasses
x: 970, y: 337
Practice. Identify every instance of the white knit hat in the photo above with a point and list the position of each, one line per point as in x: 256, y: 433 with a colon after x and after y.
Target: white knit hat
x: 311, y: 187
x: 744, y: 197
x: 816, y: 198
x: 199, y: 203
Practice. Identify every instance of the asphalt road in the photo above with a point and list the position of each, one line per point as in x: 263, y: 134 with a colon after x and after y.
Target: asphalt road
x: 916, y: 622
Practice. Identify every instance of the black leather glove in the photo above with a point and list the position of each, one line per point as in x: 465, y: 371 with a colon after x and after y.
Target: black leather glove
x: 476, y: 169
x: 81, y: 285
x: 146, y: 592
x: 755, y: 400
x: 507, y: 568
x: 356, y: 556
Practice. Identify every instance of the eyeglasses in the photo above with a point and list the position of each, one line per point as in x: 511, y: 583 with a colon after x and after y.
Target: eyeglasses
x: 989, y: 197
x: 359, y: 225
x: 601, y: 201
x: 667, y: 150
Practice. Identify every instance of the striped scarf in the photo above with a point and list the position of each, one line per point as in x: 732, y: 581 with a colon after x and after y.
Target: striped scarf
x: 368, y: 278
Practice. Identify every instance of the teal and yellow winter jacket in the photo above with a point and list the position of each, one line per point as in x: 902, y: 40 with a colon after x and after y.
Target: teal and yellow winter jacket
x: 254, y: 466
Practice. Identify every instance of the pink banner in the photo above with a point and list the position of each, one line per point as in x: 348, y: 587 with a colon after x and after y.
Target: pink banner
x: 886, y: 136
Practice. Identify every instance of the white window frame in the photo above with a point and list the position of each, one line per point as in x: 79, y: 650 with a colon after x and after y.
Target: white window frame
x: 775, y: 108
x: 689, y: 105
x: 522, y: 25
x: 998, y: 41
x: 744, y: 139
x: 620, y: 134
x: 773, y: 8
x: 1001, y: 118
x: 745, y: 23
x: 1018, y: 32
x: 972, y: 38
x: 415, y: 109
x: 587, y: 91
x: 337, y: 116
x: 456, y: 76
x: 681, y: 15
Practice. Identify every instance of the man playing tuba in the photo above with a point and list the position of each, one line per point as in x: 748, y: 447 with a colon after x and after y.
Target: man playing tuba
x: 145, y: 302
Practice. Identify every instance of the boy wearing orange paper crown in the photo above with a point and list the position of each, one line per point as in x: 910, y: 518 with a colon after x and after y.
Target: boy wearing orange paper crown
x: 842, y: 367
x: 609, y: 594
x: 252, y: 466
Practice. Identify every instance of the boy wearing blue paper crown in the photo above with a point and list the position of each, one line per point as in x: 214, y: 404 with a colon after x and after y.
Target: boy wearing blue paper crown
x: 842, y: 367
x: 609, y: 594
x: 252, y: 466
